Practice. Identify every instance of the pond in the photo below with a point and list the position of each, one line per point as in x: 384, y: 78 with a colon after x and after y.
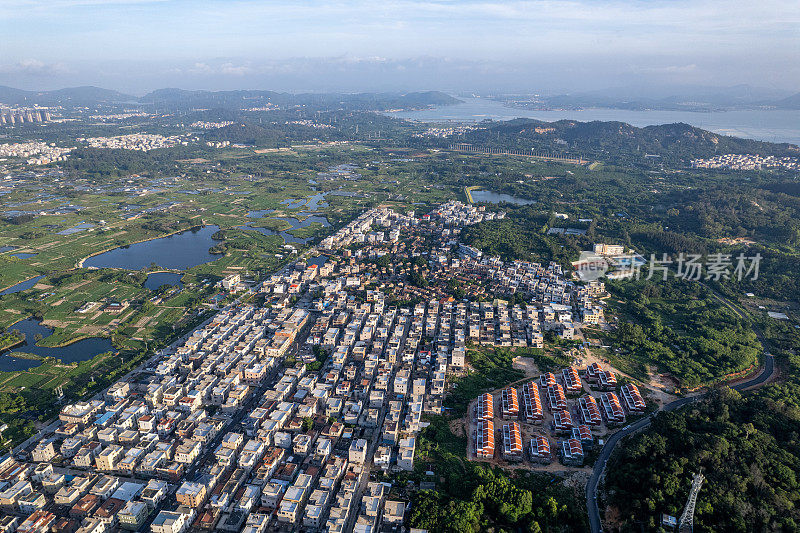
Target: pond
x: 22, y: 255
x: 296, y: 223
x: 157, y: 279
x: 489, y: 197
x: 179, y: 251
x: 76, y: 229
x: 312, y: 202
x: 318, y: 260
x: 259, y: 213
x: 21, y: 286
x: 81, y: 350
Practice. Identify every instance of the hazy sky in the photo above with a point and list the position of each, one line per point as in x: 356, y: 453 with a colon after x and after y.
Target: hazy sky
x: 549, y: 45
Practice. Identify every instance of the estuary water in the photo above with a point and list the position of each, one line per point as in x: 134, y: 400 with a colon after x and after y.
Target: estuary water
x: 773, y: 125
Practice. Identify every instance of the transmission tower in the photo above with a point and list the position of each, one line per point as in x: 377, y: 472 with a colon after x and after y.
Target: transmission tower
x: 686, y: 524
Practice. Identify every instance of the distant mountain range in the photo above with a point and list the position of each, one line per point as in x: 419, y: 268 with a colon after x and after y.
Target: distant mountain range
x: 630, y: 97
x: 179, y: 99
x: 694, y: 98
x: 792, y: 102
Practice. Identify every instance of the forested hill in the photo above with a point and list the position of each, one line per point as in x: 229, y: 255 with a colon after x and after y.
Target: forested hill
x: 72, y: 96
x: 597, y: 138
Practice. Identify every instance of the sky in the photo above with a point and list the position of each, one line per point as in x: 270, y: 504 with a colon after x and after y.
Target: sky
x: 546, y: 46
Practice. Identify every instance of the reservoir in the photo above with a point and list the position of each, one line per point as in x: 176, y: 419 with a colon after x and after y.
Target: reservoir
x: 481, y: 196
x: 180, y: 251
x: 81, y: 350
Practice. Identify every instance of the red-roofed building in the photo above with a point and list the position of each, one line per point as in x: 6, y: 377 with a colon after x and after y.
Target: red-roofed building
x: 592, y: 372
x: 590, y: 412
x: 556, y: 398
x: 484, y: 410
x: 572, y: 452
x: 612, y: 409
x: 509, y: 403
x: 634, y: 402
x: 572, y: 381
x: 38, y: 522
x: 531, y: 403
x: 562, y: 421
x: 512, y: 442
x: 583, y: 434
x: 540, y: 450
x: 548, y: 379
x: 484, y: 439
x: 606, y: 380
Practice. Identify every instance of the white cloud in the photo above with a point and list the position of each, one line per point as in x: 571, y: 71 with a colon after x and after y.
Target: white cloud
x: 33, y: 67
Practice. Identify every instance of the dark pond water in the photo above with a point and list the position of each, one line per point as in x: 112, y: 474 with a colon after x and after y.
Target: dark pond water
x: 296, y: 223
x: 7, y: 248
x: 318, y: 260
x: 180, y: 251
x: 23, y: 255
x: 260, y: 213
x: 76, y: 229
x: 157, y: 279
x: 311, y: 203
x: 489, y: 197
x: 82, y: 350
x: 21, y: 286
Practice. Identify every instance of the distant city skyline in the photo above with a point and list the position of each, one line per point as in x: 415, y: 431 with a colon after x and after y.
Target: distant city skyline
x: 139, y: 45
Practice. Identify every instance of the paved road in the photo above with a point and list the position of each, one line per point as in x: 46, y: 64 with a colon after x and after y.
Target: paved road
x: 599, y: 467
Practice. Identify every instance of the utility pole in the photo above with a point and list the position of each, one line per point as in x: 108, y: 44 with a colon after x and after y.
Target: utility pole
x: 686, y: 524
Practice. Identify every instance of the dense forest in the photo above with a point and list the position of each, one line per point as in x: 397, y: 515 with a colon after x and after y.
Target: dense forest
x: 745, y: 446
x: 677, y: 326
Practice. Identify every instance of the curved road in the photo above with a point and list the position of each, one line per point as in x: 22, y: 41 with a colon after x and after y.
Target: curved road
x: 600, y: 466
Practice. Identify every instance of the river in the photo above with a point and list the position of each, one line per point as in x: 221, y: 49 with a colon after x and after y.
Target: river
x: 778, y: 125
